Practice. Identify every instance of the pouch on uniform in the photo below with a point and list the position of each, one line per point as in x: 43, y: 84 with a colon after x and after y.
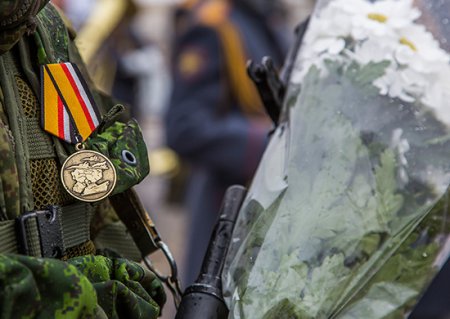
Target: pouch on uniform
x: 124, y: 145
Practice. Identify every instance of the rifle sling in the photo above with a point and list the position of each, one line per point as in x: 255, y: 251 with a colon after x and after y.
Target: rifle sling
x: 131, y: 212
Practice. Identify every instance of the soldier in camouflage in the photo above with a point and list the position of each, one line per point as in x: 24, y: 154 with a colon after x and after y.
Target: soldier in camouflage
x: 81, y: 280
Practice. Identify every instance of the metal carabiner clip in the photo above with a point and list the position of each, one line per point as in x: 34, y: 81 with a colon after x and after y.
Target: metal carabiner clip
x: 171, y: 281
x: 138, y: 222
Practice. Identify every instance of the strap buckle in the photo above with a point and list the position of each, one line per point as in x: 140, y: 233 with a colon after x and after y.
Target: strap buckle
x: 49, y: 229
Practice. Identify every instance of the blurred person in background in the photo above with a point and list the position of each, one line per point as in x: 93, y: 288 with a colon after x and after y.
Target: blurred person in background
x: 215, y: 119
x: 120, y: 59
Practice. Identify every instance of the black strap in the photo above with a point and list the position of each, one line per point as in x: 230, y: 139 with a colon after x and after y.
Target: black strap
x: 131, y: 212
x: 47, y: 233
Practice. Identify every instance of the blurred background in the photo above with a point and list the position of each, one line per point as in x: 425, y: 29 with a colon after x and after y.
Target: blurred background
x: 130, y: 47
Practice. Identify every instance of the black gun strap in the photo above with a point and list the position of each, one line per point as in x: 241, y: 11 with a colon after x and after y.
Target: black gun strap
x: 132, y: 213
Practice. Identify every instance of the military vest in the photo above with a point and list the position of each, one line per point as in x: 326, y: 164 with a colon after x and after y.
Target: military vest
x: 30, y: 159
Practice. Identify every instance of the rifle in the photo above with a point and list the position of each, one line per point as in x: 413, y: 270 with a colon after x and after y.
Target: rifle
x: 204, y: 298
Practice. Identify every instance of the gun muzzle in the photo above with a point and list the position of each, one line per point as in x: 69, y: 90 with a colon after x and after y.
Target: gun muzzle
x: 204, y: 298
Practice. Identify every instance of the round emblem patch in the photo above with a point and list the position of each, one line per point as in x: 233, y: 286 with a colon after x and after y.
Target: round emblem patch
x: 88, y: 176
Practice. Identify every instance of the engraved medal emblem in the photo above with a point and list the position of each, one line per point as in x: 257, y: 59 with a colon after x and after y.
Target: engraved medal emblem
x: 88, y: 176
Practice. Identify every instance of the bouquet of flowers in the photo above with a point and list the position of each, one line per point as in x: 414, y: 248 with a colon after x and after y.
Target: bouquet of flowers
x: 347, y: 216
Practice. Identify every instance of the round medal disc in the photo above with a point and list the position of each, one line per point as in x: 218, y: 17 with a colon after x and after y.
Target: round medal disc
x: 88, y: 176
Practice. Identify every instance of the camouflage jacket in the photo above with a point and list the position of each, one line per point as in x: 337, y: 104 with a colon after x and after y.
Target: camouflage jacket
x: 89, y: 286
x: 83, y: 287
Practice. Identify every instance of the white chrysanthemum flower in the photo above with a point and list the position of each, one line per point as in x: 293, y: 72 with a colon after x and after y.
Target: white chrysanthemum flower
x: 344, y: 21
x: 437, y: 95
x: 373, y: 49
x: 363, y: 31
x: 383, y: 18
x: 362, y: 19
x: 422, y: 71
x: 419, y: 50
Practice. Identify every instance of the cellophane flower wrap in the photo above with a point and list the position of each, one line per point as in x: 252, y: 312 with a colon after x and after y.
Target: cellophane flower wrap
x: 347, y: 216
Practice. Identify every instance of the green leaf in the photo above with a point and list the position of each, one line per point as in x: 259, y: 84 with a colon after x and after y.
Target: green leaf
x: 389, y: 202
x: 364, y: 75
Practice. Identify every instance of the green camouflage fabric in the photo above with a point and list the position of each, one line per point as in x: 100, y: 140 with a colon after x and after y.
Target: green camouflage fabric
x: 54, y: 31
x: 9, y: 180
x: 84, y: 287
x: 44, y: 288
x: 111, y: 142
x: 124, y: 145
x: 7, y: 8
x: 124, y: 288
x: 16, y: 18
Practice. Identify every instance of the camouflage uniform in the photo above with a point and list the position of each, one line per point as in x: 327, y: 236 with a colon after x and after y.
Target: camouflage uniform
x: 82, y: 284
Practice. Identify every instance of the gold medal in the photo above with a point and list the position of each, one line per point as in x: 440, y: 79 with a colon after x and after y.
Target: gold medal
x: 88, y: 175
x: 69, y: 112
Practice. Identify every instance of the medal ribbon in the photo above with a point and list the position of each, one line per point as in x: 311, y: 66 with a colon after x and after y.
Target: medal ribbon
x: 68, y: 108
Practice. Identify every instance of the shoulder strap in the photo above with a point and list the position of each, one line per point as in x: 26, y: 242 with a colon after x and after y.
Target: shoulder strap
x: 53, y: 35
x: 9, y: 179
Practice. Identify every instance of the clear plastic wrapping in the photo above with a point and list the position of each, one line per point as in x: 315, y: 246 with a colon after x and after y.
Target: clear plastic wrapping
x: 347, y: 216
